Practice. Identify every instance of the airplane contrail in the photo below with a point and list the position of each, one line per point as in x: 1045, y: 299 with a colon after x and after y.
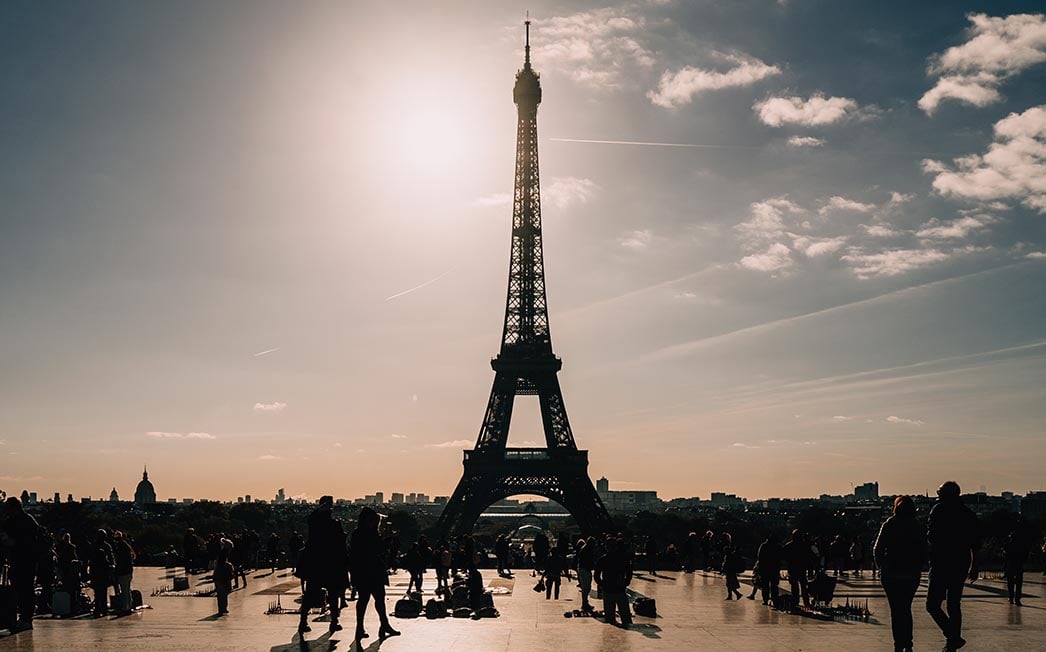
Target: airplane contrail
x: 266, y: 352
x: 649, y: 144
x: 418, y: 287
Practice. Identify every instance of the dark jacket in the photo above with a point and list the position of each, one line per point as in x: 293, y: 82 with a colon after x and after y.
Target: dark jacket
x: 953, y: 535
x: 367, y: 560
x: 101, y: 563
x: 614, y: 571
x: 124, y: 556
x: 769, y: 559
x: 900, y: 548
x: 325, y: 556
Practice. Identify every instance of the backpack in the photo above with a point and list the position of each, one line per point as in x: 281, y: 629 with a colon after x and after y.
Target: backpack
x: 407, y: 608
x: 435, y: 609
x: 645, y: 607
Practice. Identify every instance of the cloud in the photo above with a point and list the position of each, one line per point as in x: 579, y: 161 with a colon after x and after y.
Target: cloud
x: 777, y: 257
x: 996, y: 49
x: 457, y: 443
x: 805, y: 141
x: 766, y: 220
x: 564, y: 191
x: 814, y: 247
x: 901, y: 197
x: 1014, y: 167
x: 954, y: 230
x: 893, y: 262
x: 599, y: 48
x: 814, y: 112
x: 738, y: 444
x: 1035, y: 255
x: 397, y: 436
x: 841, y: 418
x: 903, y: 421
x: 266, y: 352
x: 276, y: 406
x: 157, y: 434
x: 493, y: 199
x: 678, y: 88
x: 637, y: 240
x: 269, y: 458
x: 880, y: 231
x: 843, y: 204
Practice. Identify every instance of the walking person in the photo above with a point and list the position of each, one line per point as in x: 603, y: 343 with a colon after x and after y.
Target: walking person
x: 900, y: 552
x: 732, y: 565
x: 369, y: 572
x: 952, y: 533
x: 27, y: 539
x: 123, y: 557
x: 652, y: 554
x: 1017, y: 547
x: 554, y: 566
x: 769, y: 559
x: 857, y: 556
x: 324, y: 565
x: 613, y: 574
x: 443, y: 563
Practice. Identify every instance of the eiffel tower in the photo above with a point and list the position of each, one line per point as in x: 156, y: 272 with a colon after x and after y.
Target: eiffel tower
x: 525, y: 365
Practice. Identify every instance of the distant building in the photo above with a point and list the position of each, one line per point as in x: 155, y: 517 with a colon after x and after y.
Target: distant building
x: 144, y: 493
x: 113, y: 496
x: 397, y: 499
x: 869, y: 491
x: 57, y: 498
x: 726, y: 501
x: 247, y: 498
x: 626, y: 501
x: 281, y: 497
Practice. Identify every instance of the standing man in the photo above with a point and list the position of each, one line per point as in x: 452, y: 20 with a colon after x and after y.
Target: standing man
x: 953, y: 538
x: 324, y: 565
x: 613, y: 575
x: 26, y: 540
x: 585, y: 558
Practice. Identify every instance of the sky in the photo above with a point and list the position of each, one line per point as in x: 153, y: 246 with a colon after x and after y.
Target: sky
x: 257, y: 245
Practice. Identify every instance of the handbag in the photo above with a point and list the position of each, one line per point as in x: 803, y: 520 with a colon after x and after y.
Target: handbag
x: 540, y: 586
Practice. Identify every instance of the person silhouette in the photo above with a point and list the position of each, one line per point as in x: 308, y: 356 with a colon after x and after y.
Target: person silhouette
x: 325, y: 564
x: 1017, y: 547
x: 768, y: 558
x: 900, y: 552
x: 369, y: 572
x: 27, y: 541
x: 952, y: 532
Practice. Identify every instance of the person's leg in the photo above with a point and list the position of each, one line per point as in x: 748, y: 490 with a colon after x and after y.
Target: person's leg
x: 556, y: 593
x: 622, y: 607
x: 935, y: 593
x: 361, y: 611
x: 23, y: 580
x: 895, y: 598
x: 101, y: 597
x: 334, y: 605
x: 379, y: 605
x: 1018, y: 586
x: 608, y: 606
x: 125, y: 592
x: 306, y: 604
x: 954, y: 604
x: 548, y: 588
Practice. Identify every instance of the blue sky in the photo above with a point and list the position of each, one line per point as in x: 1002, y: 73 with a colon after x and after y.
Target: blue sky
x: 842, y: 284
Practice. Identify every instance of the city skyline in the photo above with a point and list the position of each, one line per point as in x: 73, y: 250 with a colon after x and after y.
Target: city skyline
x: 248, y: 242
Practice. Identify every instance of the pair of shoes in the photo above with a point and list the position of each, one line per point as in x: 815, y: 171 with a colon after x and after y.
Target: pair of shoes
x: 360, y: 635
x: 304, y: 627
x: 751, y: 597
x: 386, y: 631
x: 729, y: 596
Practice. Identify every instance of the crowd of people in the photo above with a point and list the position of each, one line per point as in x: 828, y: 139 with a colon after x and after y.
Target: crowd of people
x: 48, y: 573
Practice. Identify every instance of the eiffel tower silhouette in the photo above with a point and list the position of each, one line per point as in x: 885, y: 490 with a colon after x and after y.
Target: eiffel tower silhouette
x: 525, y: 365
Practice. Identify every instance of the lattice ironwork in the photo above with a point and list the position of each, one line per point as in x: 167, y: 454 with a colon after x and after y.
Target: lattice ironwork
x: 525, y: 365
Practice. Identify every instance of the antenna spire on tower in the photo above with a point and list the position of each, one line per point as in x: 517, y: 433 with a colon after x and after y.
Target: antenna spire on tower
x: 526, y: 61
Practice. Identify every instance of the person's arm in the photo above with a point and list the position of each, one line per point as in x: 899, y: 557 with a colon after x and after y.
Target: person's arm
x: 880, y: 546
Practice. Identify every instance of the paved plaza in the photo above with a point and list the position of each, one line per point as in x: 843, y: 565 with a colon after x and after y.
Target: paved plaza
x: 692, y: 616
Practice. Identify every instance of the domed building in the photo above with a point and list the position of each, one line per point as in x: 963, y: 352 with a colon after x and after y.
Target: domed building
x: 145, y: 493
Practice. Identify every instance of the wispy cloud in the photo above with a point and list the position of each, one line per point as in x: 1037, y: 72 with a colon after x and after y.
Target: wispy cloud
x: 637, y: 240
x: 676, y: 89
x: 277, y: 406
x: 805, y: 141
x: 562, y: 192
x: 457, y: 443
x: 777, y: 257
x: 397, y: 436
x: 266, y: 352
x: 905, y: 422
x: 159, y: 434
x: 954, y: 230
x: 837, y: 203
x: 269, y: 458
x: 997, y: 48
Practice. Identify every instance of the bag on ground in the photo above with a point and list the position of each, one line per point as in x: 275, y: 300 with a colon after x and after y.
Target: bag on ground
x: 646, y: 607
x: 435, y: 609
x: 407, y: 608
